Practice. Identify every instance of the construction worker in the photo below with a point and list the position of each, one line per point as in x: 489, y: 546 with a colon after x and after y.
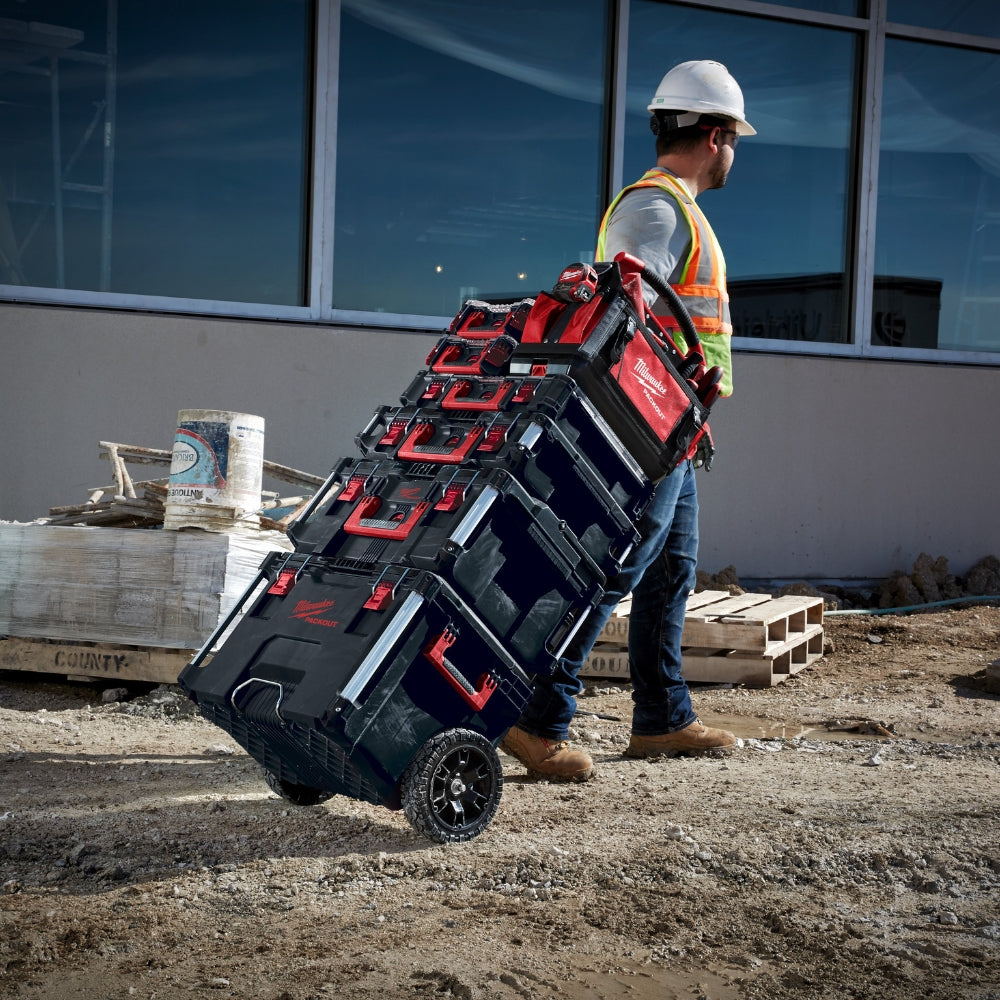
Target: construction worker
x: 697, y: 116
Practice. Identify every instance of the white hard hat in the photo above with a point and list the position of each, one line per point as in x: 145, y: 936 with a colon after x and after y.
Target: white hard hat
x: 701, y: 87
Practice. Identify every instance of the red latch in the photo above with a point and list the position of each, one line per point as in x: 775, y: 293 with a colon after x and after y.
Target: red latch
x: 397, y: 428
x: 538, y: 371
x: 353, y: 488
x: 495, y: 437
x: 284, y: 583
x: 433, y: 391
x: 454, y: 497
x: 524, y: 393
x: 381, y: 597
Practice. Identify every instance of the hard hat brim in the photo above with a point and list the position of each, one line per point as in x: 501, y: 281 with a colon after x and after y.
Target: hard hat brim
x: 743, y: 127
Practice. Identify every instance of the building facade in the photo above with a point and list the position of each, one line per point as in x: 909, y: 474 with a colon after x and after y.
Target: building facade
x: 276, y: 206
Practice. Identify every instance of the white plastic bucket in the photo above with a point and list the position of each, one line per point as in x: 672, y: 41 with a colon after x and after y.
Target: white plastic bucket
x: 216, y: 470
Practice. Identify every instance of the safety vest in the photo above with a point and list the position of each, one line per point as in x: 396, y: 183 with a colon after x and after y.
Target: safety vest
x: 702, y: 284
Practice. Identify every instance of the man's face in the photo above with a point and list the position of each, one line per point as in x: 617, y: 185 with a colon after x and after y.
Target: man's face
x: 726, y: 138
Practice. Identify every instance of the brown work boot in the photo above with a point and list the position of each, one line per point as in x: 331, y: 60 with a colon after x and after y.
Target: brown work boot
x: 545, y: 759
x: 693, y: 739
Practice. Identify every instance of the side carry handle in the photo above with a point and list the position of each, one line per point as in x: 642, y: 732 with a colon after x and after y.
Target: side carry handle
x: 474, y: 697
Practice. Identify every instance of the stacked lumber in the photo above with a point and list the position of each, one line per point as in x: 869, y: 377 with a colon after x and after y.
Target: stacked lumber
x: 129, y: 504
x: 752, y: 639
x: 164, y: 589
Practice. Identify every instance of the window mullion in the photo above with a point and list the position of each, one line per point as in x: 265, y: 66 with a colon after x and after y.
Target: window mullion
x: 617, y: 86
x: 324, y: 159
x: 863, y: 276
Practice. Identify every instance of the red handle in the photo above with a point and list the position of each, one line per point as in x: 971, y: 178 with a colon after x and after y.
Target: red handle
x: 450, y: 361
x: 455, y: 399
x: 361, y: 523
x: 474, y: 697
x: 411, y: 449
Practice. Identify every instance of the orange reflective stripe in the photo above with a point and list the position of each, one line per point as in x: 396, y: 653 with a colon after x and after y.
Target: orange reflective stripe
x: 702, y: 284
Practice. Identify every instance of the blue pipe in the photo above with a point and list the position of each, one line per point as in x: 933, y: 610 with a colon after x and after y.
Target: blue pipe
x: 975, y: 598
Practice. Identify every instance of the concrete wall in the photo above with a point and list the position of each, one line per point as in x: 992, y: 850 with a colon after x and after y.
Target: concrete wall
x: 826, y: 468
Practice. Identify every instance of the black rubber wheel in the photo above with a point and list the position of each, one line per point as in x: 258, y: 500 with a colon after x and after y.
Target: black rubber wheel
x: 299, y: 795
x: 452, y: 789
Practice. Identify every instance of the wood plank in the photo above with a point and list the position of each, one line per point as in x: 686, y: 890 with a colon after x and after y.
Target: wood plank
x: 729, y: 605
x: 608, y: 661
x: 702, y: 597
x: 723, y: 665
x: 104, y: 660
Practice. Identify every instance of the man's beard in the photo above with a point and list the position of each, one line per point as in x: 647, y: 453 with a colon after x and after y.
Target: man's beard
x: 717, y: 178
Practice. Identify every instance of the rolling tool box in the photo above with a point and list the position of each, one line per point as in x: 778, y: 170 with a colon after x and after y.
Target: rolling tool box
x: 385, y: 688
x: 451, y: 560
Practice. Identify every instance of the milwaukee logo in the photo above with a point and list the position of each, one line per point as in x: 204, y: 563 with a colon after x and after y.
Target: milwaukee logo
x: 648, y: 377
x: 310, y: 611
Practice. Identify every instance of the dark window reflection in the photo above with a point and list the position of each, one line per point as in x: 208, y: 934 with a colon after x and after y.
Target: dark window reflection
x: 783, y: 216
x: 970, y: 17
x: 468, y: 150
x: 850, y: 8
x: 938, y: 227
x: 177, y: 168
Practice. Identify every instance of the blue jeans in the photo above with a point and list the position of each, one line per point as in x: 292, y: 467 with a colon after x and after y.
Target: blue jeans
x: 659, y: 573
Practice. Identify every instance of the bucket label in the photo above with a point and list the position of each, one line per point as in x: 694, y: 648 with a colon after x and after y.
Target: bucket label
x: 215, y: 471
x: 200, y: 454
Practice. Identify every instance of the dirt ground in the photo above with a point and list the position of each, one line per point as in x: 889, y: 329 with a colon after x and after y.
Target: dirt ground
x: 850, y: 848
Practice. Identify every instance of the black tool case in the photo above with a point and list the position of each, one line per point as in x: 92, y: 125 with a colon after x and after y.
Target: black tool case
x: 386, y: 688
x: 512, y: 560
x: 552, y: 442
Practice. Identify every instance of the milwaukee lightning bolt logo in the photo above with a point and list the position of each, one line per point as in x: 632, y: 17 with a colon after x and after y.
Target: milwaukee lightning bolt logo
x: 312, y: 612
x: 647, y: 376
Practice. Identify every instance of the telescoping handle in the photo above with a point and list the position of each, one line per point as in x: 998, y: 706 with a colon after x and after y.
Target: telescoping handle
x: 475, y: 697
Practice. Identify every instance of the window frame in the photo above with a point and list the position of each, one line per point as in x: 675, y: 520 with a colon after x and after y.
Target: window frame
x: 872, y: 30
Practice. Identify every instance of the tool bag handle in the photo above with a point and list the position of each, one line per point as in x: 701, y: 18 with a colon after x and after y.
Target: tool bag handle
x: 632, y: 265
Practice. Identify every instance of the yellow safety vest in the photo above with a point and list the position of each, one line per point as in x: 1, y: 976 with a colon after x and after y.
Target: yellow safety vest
x: 702, y: 284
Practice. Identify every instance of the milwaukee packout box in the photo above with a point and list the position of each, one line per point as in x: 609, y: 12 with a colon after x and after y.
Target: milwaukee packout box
x: 454, y: 557
x: 543, y: 432
x: 511, y: 559
x: 335, y: 679
x: 595, y: 327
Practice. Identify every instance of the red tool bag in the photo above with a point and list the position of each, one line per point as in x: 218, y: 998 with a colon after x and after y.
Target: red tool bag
x: 595, y: 326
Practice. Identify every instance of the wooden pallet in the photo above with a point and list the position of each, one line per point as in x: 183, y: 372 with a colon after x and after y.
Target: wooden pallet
x: 752, y: 639
x: 104, y: 661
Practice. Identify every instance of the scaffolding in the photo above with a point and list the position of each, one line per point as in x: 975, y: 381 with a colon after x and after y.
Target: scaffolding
x: 30, y: 47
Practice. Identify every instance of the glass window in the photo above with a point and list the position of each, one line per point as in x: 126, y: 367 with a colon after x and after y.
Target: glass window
x: 937, y: 247
x: 783, y: 216
x: 468, y: 150
x: 970, y: 17
x: 850, y: 8
x: 177, y: 169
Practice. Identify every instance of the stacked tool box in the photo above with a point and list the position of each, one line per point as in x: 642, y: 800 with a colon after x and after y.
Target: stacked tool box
x: 438, y: 569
